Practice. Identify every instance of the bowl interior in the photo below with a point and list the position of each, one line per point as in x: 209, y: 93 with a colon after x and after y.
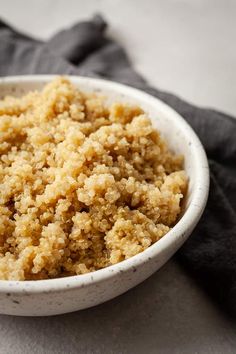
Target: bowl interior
x: 180, y: 138
x: 174, y: 130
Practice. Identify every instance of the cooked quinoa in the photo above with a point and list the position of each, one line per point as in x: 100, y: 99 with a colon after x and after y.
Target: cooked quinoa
x: 83, y: 184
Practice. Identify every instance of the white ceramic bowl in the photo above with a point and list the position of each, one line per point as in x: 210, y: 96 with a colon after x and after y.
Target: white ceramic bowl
x: 56, y: 296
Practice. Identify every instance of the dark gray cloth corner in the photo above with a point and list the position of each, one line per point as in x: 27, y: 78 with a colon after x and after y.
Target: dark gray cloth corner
x: 210, y: 253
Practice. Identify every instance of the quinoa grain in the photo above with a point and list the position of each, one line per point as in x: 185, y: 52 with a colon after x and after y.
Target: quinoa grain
x: 82, y: 185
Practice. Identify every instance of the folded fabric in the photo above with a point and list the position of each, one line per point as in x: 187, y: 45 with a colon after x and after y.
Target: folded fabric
x: 210, y: 252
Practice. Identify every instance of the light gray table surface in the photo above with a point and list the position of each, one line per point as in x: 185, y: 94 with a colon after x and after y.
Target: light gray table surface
x: 188, y: 48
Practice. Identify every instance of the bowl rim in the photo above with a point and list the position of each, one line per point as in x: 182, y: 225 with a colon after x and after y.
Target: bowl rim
x: 178, y: 234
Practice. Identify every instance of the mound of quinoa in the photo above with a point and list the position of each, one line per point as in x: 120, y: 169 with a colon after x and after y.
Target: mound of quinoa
x: 83, y: 185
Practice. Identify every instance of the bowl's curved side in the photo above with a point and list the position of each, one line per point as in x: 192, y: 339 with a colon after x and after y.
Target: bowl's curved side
x: 85, y: 295
x: 47, y: 297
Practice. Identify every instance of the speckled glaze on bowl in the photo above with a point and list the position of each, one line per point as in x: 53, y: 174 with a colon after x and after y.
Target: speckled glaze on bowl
x: 56, y: 296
